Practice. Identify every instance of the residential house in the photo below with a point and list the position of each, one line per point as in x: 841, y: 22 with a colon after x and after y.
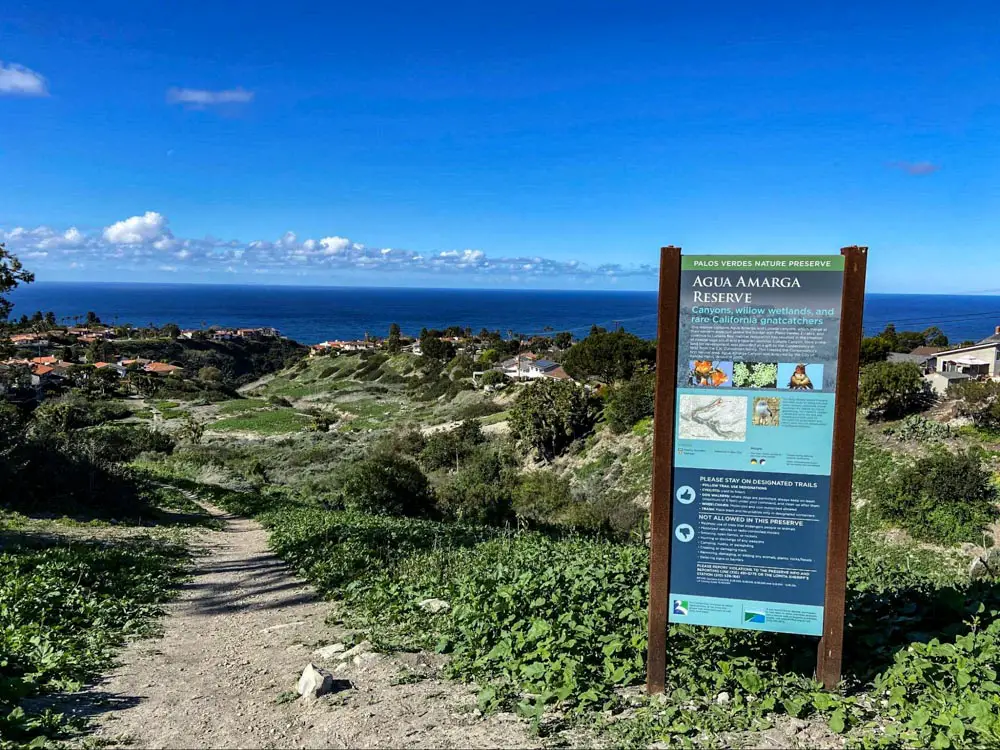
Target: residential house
x: 30, y: 340
x: 325, y: 347
x: 529, y: 367
x: 162, y: 368
x: 264, y: 332
x: 978, y: 361
x: 924, y: 357
x: 120, y: 369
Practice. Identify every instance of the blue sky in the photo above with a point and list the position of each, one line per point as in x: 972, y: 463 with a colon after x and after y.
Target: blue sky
x: 549, y: 144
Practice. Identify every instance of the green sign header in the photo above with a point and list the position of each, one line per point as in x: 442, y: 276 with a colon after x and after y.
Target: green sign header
x: 762, y: 263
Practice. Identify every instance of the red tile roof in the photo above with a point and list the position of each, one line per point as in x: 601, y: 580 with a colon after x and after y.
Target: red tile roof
x: 161, y: 367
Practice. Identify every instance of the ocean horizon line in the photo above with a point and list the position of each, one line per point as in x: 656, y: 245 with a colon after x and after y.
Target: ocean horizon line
x: 357, y: 287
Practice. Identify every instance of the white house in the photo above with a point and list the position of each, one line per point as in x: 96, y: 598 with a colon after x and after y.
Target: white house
x: 978, y: 360
x: 528, y: 368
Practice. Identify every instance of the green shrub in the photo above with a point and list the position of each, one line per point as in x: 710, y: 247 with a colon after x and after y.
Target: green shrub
x: 478, y: 409
x: 120, y: 443
x: 978, y: 400
x: 65, y: 610
x: 891, y: 390
x: 549, y: 415
x: 72, y: 412
x: 919, y: 428
x: 542, y: 497
x: 493, y: 379
x: 448, y: 449
x: 482, y: 490
x: 386, y: 485
x: 945, y: 498
x: 629, y: 402
x: 408, y: 442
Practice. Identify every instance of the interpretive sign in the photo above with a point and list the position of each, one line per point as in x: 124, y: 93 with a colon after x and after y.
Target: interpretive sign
x: 746, y: 530
x: 756, y: 382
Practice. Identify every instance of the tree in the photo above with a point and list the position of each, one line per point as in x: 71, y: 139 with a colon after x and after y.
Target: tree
x: 12, y: 274
x: 874, y: 349
x: 630, y: 401
x: 392, y: 344
x: 92, y: 319
x: 99, y: 350
x: 563, y: 340
x: 435, y: 348
x: 934, y: 336
x: 104, y: 382
x: 171, y: 331
x: 549, y: 415
x: 144, y: 383
x: 609, y: 356
x: 891, y: 390
x: 50, y: 319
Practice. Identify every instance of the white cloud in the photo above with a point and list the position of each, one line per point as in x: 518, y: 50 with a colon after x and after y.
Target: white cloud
x: 206, y: 98
x: 334, y: 245
x: 146, y: 241
x: 17, y: 80
x: 136, y: 230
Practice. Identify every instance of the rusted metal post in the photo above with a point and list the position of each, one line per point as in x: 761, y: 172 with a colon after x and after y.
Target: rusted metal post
x: 663, y: 465
x: 831, y: 645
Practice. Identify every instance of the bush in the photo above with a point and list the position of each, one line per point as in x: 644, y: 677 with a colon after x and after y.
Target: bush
x: 549, y: 415
x: 630, y: 402
x: 386, y: 485
x: 494, y: 379
x: 209, y: 373
x: 403, y: 442
x: 891, y: 390
x: 73, y: 412
x: 447, y: 450
x: 918, y: 428
x: 980, y: 401
x: 479, y: 409
x: 122, y: 443
x: 542, y: 497
x: 482, y: 490
x: 946, y: 498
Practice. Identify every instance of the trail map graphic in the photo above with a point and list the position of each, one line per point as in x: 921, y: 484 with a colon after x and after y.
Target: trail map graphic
x: 713, y: 417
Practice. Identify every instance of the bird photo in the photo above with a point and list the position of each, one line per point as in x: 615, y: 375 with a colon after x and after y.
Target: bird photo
x: 800, y: 379
x: 766, y: 412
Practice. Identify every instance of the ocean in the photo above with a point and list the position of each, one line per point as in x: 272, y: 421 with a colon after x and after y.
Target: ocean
x: 313, y: 314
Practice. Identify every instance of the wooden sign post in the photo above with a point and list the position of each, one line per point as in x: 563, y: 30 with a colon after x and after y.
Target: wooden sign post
x: 753, y: 447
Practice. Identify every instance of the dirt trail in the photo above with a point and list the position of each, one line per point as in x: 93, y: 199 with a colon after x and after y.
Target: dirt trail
x: 237, y: 639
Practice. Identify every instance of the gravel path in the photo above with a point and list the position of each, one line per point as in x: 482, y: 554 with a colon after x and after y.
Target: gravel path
x: 234, y: 644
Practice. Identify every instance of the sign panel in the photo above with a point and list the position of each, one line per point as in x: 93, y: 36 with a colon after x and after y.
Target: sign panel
x: 757, y: 349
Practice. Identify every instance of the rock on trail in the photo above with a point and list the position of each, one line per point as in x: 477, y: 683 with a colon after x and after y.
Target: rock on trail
x: 235, y: 643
